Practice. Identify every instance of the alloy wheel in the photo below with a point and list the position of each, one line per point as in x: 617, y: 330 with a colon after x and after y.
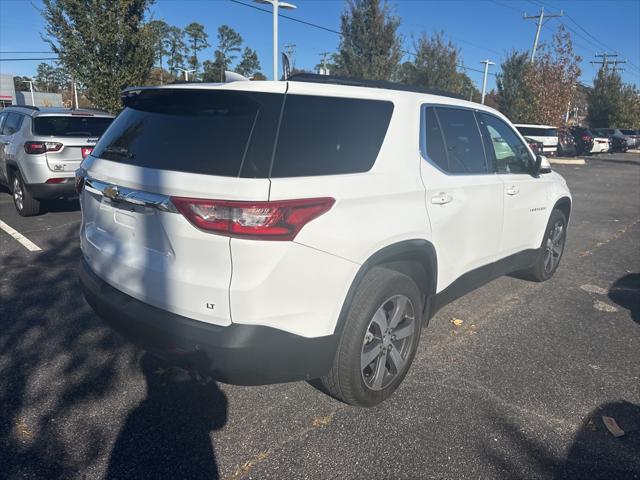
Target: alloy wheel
x: 387, y: 342
x: 554, y: 246
x: 18, y: 194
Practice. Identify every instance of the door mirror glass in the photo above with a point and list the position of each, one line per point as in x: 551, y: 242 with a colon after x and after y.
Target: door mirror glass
x: 536, y: 164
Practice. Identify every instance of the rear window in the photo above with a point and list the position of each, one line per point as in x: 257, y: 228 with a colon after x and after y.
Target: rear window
x: 538, y: 132
x: 231, y: 133
x: 628, y: 132
x: 68, y: 126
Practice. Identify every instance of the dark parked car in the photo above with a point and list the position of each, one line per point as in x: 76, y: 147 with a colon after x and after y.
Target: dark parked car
x: 566, y: 144
x: 619, y: 143
x: 583, y: 139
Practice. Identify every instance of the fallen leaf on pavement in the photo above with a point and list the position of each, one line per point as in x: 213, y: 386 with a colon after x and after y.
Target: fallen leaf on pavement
x: 457, y: 322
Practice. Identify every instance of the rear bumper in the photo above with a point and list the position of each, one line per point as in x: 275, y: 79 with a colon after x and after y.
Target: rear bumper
x: 49, y: 191
x: 238, y: 354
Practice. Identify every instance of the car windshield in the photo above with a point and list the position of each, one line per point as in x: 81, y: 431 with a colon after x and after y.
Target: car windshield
x: 70, y: 126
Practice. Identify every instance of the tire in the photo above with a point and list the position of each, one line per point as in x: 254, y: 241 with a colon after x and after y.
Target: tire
x: 381, y: 294
x: 25, y: 204
x: 551, y: 249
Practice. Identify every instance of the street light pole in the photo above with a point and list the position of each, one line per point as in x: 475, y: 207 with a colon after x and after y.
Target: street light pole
x: 186, y: 73
x: 276, y: 4
x: 30, y: 82
x: 484, y: 80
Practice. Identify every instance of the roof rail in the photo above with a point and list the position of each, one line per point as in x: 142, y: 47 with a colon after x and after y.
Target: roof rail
x: 357, y: 82
x: 30, y: 107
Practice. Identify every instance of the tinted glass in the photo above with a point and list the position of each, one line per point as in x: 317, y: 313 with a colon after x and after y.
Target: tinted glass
x: 538, y: 132
x: 12, y: 124
x: 3, y: 117
x: 509, y: 153
x: 70, y: 126
x: 198, y: 131
x: 628, y: 132
x: 462, y: 141
x: 435, y: 148
x: 329, y: 136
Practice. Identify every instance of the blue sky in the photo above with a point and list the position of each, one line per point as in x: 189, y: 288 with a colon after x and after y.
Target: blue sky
x: 481, y: 28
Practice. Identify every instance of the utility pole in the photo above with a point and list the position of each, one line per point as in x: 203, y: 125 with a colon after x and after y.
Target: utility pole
x: 540, y: 20
x: 484, y: 80
x: 605, y: 62
x: 290, y: 50
x: 323, y: 69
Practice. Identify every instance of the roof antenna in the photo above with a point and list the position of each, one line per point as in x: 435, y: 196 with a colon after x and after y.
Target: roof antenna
x: 286, y: 69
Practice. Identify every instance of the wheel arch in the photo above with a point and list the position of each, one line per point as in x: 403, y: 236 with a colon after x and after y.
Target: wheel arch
x: 564, y: 205
x: 415, y: 258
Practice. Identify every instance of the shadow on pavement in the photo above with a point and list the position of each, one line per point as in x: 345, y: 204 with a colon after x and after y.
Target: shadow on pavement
x: 167, y: 435
x: 626, y: 292
x: 595, y: 453
x: 72, y: 396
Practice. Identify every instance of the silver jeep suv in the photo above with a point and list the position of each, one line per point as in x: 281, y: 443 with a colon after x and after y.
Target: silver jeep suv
x: 40, y: 149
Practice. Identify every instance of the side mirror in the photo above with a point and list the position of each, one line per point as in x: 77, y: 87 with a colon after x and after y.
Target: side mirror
x: 544, y: 166
x: 534, y: 168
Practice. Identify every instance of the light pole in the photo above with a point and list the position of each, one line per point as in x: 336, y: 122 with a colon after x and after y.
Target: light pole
x: 186, y: 73
x: 30, y: 82
x: 484, y: 80
x: 276, y: 4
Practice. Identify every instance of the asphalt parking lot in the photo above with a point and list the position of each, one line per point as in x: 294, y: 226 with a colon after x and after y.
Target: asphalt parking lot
x: 516, y: 391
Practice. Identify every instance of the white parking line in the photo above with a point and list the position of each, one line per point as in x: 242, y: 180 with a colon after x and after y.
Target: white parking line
x: 24, y: 241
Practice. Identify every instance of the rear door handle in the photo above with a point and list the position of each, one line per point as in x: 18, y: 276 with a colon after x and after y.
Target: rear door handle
x: 513, y: 190
x: 441, y: 198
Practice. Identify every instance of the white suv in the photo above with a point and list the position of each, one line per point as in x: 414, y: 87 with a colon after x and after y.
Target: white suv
x: 261, y: 232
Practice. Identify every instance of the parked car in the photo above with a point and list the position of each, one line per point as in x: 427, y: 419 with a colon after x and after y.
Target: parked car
x: 546, y: 134
x: 617, y: 143
x: 535, y: 146
x: 601, y: 144
x: 40, y: 150
x: 583, y: 139
x: 296, y: 243
x: 612, y: 133
x: 589, y: 142
x: 566, y: 144
x: 634, y: 134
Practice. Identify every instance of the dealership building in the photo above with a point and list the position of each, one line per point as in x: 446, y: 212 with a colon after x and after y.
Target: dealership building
x: 9, y: 95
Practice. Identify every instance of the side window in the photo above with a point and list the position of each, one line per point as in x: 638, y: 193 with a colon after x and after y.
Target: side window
x: 434, y: 143
x: 509, y: 152
x: 462, y: 140
x: 3, y: 117
x: 12, y: 124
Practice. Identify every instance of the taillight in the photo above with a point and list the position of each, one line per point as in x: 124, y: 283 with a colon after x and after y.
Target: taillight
x: 277, y: 220
x: 86, y: 151
x: 586, y: 138
x: 38, y: 148
x: 56, y: 180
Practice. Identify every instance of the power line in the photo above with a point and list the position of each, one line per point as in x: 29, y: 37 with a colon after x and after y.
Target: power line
x: 25, y: 51
x: 597, y: 42
x: 327, y: 29
x: 26, y: 59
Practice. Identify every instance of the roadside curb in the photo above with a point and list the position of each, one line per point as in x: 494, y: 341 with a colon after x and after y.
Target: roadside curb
x: 567, y: 161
